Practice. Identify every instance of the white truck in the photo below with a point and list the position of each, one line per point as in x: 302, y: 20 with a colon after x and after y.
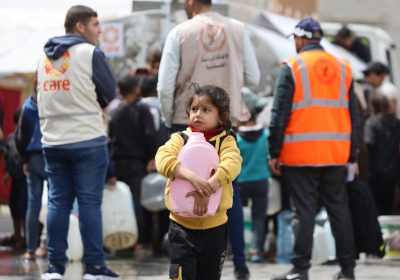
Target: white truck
x: 381, y: 45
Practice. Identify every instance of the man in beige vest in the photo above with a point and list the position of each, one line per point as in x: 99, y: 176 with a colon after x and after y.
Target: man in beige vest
x: 209, y: 49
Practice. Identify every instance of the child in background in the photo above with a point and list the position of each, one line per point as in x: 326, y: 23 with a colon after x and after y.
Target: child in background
x: 253, y: 180
x: 134, y: 143
x: 198, y: 245
x: 19, y: 190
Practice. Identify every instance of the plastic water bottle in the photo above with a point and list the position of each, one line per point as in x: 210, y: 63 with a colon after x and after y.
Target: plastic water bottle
x: 200, y: 157
x: 285, y: 238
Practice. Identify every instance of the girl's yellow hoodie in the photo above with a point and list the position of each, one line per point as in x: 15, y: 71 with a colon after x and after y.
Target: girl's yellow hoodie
x: 229, y: 167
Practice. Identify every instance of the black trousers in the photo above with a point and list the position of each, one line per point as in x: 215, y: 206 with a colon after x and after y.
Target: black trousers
x: 308, y: 186
x: 197, y: 254
x: 383, y: 188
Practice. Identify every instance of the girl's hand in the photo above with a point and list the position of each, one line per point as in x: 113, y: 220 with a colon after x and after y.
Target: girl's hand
x: 200, y: 206
x: 202, y: 186
x: 214, y: 181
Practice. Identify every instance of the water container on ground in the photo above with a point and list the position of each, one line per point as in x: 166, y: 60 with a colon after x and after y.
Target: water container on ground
x: 119, y: 220
x: 152, y: 191
x: 75, y: 245
x: 390, y: 226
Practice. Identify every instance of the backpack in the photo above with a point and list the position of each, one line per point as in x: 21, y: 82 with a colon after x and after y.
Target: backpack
x: 367, y: 231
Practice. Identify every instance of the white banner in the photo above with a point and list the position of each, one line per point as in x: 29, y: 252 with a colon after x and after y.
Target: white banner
x: 112, y: 39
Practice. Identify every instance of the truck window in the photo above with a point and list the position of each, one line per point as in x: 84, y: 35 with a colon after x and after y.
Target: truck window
x: 358, y: 45
x: 390, y: 64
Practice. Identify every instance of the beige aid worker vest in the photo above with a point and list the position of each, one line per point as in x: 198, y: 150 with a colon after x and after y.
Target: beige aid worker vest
x: 67, y: 100
x: 211, y: 53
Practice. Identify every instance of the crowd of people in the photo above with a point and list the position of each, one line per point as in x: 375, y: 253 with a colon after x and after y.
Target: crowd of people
x: 323, y: 122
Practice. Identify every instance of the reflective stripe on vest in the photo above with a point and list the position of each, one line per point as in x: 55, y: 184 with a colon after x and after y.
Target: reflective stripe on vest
x: 309, y: 101
x: 300, y: 137
x: 319, y: 128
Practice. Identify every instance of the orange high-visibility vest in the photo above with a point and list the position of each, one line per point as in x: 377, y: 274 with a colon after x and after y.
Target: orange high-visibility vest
x: 319, y: 128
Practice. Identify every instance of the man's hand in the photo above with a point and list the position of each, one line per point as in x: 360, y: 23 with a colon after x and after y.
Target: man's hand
x: 151, y: 166
x: 112, y: 181
x: 200, y: 205
x: 275, y: 166
x: 25, y: 169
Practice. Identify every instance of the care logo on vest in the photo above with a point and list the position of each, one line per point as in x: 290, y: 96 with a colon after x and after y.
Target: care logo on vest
x: 213, y: 37
x: 56, y: 68
x: 325, y: 71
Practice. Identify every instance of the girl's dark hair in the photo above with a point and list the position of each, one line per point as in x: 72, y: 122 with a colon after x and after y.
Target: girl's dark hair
x: 78, y: 14
x: 218, y: 97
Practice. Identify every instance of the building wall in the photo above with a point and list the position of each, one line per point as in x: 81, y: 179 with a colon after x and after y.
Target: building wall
x: 295, y: 9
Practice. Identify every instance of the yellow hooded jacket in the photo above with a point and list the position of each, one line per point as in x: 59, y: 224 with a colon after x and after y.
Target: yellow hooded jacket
x: 229, y: 167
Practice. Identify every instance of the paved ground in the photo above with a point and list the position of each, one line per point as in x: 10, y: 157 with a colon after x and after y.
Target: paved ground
x: 13, y: 267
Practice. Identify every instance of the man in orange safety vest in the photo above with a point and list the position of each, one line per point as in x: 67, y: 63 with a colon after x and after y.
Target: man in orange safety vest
x: 314, y: 135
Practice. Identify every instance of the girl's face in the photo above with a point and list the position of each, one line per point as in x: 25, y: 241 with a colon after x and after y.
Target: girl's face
x: 203, y: 114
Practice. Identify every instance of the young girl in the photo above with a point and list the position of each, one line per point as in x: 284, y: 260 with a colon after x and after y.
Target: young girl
x: 198, y: 245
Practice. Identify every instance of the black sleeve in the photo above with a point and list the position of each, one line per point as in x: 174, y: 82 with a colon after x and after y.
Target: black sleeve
x: 23, y: 135
x: 152, y: 141
x: 102, y: 78
x: 281, y: 110
x: 355, y: 125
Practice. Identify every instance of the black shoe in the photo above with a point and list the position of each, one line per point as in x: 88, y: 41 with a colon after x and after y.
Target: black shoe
x: 55, y: 272
x: 293, y: 274
x: 342, y: 276
x: 242, y: 273
x: 99, y: 272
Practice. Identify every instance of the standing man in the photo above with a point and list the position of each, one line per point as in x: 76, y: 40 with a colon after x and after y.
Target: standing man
x: 374, y: 77
x: 314, y: 135
x: 209, y: 49
x: 74, y: 84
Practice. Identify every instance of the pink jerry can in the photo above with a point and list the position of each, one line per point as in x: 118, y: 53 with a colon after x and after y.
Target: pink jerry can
x: 200, y: 157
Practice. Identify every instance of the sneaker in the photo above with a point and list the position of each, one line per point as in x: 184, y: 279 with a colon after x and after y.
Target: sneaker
x: 242, y: 273
x: 55, y: 272
x: 342, y: 276
x: 96, y: 272
x: 293, y: 274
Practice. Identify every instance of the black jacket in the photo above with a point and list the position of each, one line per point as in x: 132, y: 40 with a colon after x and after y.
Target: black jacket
x: 132, y: 133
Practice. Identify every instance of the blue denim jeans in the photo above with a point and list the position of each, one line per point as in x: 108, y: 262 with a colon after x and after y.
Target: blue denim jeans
x: 256, y: 191
x: 80, y: 173
x: 236, y: 229
x: 35, y: 180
